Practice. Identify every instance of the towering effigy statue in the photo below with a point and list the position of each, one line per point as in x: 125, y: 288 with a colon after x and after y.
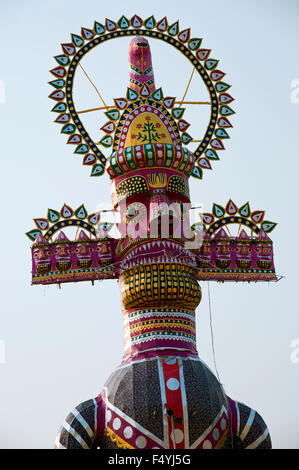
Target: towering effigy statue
x: 162, y: 395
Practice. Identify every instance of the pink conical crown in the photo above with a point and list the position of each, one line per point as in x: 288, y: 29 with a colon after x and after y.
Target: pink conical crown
x: 140, y: 65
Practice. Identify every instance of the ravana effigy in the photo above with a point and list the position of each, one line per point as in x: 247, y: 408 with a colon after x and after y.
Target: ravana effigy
x: 162, y: 395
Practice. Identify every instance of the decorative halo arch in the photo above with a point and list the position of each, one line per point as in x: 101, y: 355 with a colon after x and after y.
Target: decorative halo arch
x: 190, y: 47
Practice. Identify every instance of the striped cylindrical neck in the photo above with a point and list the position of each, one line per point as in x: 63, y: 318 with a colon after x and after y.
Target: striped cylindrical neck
x: 156, y: 331
x: 159, y: 301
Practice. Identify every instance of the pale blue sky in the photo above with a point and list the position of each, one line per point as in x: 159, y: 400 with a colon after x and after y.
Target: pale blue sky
x: 61, y: 345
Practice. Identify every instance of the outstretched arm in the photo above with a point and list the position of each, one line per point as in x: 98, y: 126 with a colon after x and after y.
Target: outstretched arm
x: 82, y: 428
x: 248, y: 427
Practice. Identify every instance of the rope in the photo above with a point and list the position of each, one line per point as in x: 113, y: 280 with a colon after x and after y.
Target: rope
x: 188, y: 86
x: 214, y: 357
x: 98, y: 93
x: 212, y: 334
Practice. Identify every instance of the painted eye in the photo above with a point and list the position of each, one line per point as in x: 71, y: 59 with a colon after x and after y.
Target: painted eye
x: 217, y: 248
x: 237, y: 249
x: 98, y: 249
x: 77, y: 250
x: 90, y: 249
x: 56, y: 252
x: 48, y: 252
x: 35, y: 255
x: 258, y: 250
x: 249, y: 250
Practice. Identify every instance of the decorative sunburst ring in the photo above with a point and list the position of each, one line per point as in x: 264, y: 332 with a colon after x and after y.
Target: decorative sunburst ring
x: 189, y: 46
x: 66, y: 217
x: 232, y: 214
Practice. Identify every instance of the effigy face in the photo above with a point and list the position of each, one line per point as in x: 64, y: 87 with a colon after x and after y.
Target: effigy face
x: 205, y: 255
x: 243, y: 253
x: 264, y: 255
x: 62, y: 256
x: 221, y: 253
x: 102, y: 254
x: 41, y: 257
x: 83, y: 255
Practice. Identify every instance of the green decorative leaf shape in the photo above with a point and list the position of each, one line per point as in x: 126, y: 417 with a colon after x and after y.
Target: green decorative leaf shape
x: 77, y: 40
x: 32, y: 234
x: 150, y: 22
x: 173, y: 29
x: 211, y: 154
x: 268, y: 226
x: 99, y: 28
x: 196, y: 172
x: 194, y: 44
x: 244, y: 211
x: 53, y: 216
x: 123, y: 23
x: 62, y: 59
x: 81, y: 212
x: 97, y: 170
x: 113, y: 114
x: 218, y: 211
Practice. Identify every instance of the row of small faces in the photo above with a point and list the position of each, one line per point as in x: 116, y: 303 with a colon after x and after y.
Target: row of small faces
x: 65, y: 252
x: 240, y: 250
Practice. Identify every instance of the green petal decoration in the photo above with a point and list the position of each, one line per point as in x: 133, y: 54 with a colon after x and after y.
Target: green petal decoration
x: 123, y: 23
x: 196, y: 172
x: 158, y: 95
x: 177, y: 113
x: 53, y: 216
x: 210, y: 64
x: 150, y: 22
x: 132, y: 95
x: 68, y: 129
x: 268, y: 226
x: 173, y: 29
x: 77, y: 40
x: 81, y: 212
x: 59, y: 108
x: 97, y: 170
x: 62, y: 59
x: 218, y: 211
x: 186, y: 138
x: 57, y: 83
x: 194, y: 43
x: 82, y: 148
x: 221, y: 86
x: 107, y: 141
x: 98, y: 28
x: 113, y: 114
x: 226, y: 111
x: 221, y: 133
x: 244, y: 211
x: 32, y: 234
x: 211, y: 154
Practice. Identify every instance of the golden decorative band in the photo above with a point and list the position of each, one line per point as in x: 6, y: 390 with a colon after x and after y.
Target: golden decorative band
x: 160, y: 285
